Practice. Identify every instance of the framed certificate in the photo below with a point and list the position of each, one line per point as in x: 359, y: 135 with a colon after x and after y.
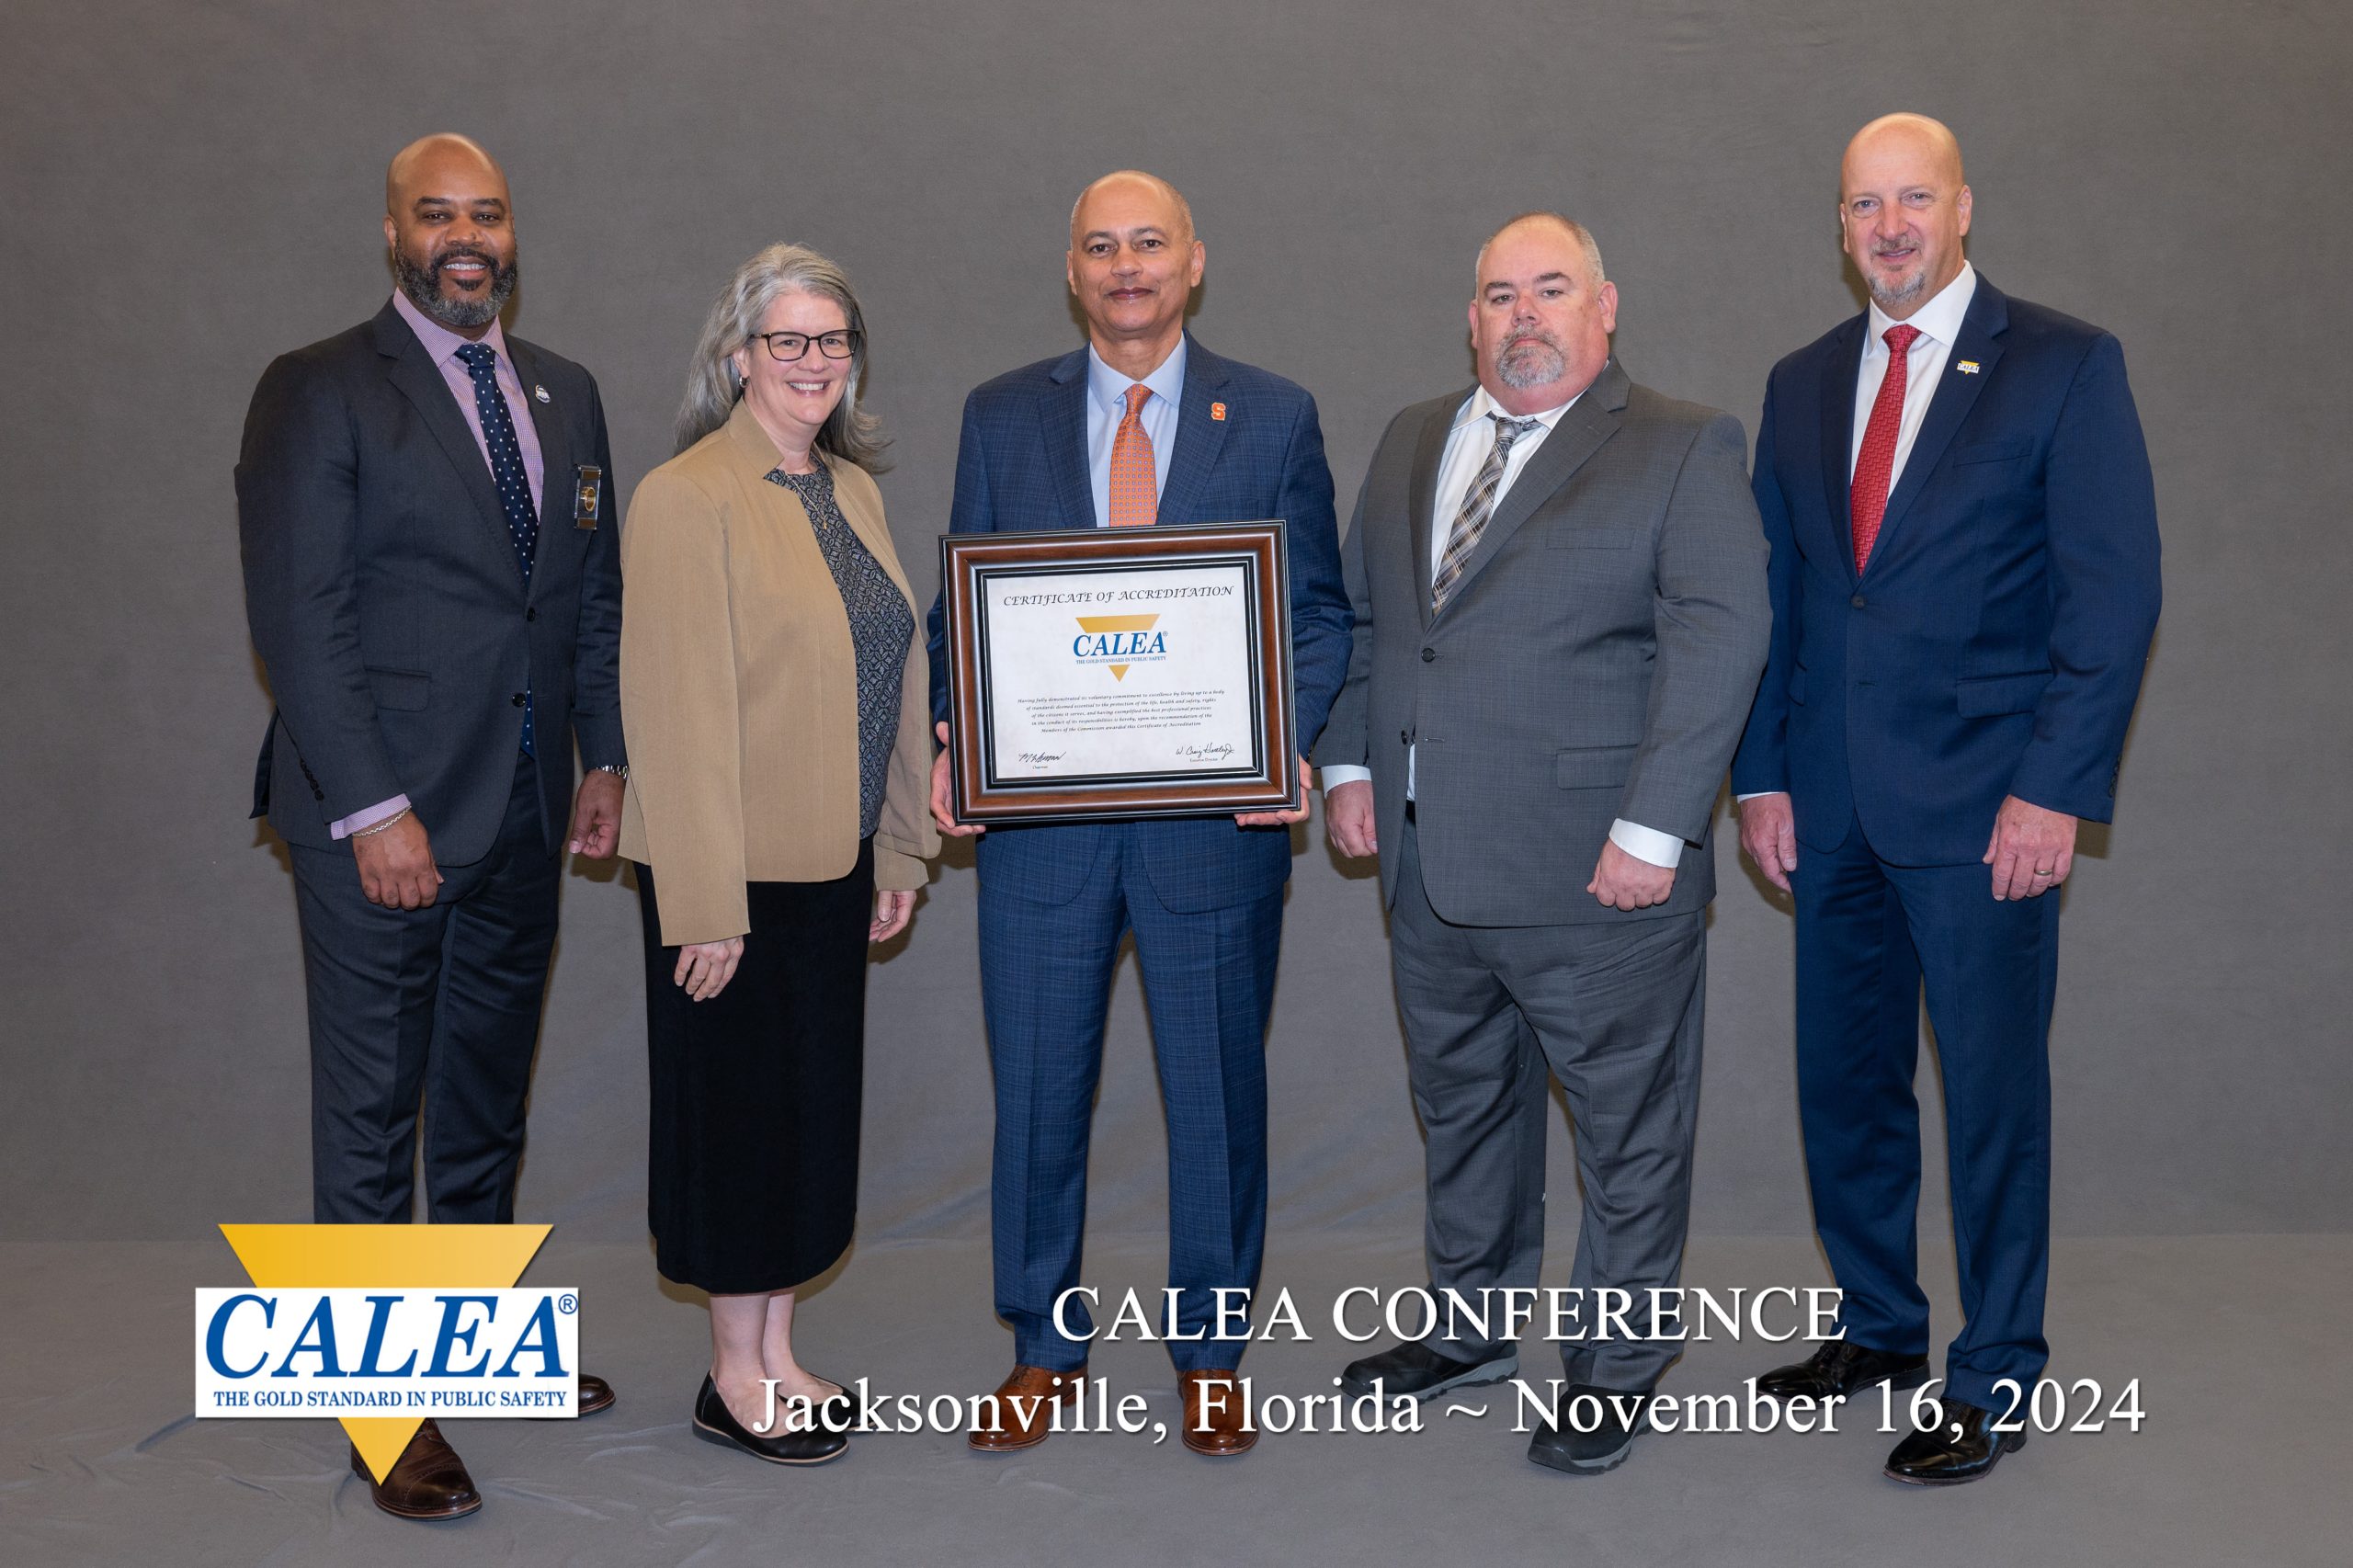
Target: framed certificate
x: 1119, y: 672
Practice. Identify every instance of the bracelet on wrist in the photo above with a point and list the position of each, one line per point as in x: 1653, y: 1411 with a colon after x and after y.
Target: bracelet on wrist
x: 373, y: 828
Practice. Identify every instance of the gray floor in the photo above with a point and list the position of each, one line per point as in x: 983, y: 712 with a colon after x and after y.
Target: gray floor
x: 2238, y: 1342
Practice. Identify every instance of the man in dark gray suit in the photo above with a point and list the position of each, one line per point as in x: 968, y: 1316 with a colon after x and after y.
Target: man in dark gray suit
x: 431, y: 579
x: 1560, y: 614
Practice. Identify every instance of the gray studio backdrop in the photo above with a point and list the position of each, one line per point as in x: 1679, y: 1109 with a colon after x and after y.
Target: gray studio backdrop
x: 190, y: 189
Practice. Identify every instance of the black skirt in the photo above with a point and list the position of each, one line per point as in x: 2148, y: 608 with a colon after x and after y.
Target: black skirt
x: 752, y: 1180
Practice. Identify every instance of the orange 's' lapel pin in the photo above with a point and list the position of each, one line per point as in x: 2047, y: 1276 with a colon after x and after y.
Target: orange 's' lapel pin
x: 1217, y: 410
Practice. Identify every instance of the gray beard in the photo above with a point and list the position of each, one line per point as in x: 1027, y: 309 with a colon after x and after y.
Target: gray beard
x: 423, y: 287
x: 1891, y: 296
x: 1530, y: 363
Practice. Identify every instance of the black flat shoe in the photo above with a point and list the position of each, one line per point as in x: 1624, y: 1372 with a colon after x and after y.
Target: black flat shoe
x: 1844, y: 1368
x: 714, y: 1422
x: 1414, y: 1368
x: 1961, y: 1446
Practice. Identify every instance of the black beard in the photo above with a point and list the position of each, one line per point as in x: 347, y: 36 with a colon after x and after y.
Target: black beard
x: 423, y: 287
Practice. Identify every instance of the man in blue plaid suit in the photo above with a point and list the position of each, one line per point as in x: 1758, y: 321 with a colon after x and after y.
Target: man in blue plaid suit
x: 1142, y: 425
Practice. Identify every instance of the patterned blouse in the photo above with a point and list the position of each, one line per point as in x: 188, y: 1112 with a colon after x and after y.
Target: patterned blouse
x: 881, y: 628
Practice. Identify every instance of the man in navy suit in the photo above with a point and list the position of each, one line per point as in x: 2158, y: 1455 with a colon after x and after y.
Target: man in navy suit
x: 1964, y: 580
x: 1142, y: 425
x: 424, y: 511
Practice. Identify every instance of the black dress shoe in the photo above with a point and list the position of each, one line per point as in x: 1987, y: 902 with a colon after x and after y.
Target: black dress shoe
x: 595, y: 1395
x: 1843, y: 1368
x: 714, y: 1422
x: 1418, y: 1370
x: 1962, y: 1446
x: 428, y: 1481
x: 1576, y: 1452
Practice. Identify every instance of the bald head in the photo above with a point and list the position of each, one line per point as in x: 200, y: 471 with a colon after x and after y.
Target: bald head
x: 1577, y: 232
x: 434, y: 162
x: 1134, y: 260
x: 451, y: 229
x: 1903, y: 208
x: 1929, y: 143
x: 1137, y: 184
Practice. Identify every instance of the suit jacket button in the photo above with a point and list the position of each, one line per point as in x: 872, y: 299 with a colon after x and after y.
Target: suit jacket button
x: 1404, y: 739
x: 1857, y: 601
x: 1428, y: 653
x: 518, y: 699
x: 531, y: 614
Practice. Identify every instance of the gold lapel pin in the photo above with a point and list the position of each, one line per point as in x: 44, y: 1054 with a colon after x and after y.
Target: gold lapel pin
x: 1967, y: 367
x: 542, y: 392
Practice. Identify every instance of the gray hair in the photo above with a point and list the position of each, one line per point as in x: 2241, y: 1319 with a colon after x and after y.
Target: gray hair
x: 1577, y: 230
x: 713, y: 386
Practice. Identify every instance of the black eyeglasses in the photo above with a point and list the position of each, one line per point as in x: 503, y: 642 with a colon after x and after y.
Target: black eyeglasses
x: 787, y: 347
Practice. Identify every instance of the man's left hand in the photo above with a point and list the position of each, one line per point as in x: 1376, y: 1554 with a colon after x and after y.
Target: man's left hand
x: 2031, y: 851
x: 1628, y: 881
x: 597, y: 816
x: 1279, y: 819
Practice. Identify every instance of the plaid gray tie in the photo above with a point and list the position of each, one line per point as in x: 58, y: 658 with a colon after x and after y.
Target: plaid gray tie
x: 1478, y: 506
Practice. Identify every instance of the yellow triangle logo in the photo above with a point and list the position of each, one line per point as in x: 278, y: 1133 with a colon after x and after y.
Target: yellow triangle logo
x: 327, y: 1257
x: 1099, y: 625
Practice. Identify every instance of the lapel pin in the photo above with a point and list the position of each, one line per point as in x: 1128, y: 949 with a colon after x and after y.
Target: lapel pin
x: 542, y: 392
x: 1967, y: 367
x: 1217, y: 410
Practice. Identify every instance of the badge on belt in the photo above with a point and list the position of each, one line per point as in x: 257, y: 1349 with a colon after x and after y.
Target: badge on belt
x: 587, y: 495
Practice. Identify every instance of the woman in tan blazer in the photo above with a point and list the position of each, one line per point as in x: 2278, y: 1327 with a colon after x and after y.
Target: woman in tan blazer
x: 773, y: 684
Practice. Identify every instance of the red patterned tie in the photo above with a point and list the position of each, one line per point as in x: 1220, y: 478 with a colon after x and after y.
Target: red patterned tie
x: 1135, y: 490
x: 1867, y: 494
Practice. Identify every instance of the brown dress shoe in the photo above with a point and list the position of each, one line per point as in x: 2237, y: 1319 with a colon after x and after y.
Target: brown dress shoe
x: 1213, y: 1414
x: 428, y: 1481
x: 595, y: 1395
x: 1024, y: 1406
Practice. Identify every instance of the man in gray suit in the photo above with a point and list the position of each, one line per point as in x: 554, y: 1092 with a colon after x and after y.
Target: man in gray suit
x: 1561, y: 615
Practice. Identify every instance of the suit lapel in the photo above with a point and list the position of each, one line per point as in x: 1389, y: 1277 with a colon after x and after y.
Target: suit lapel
x: 1838, y: 435
x: 555, y: 453
x: 1064, y: 415
x: 1579, y: 435
x: 1949, y: 402
x: 1200, y: 438
x: 415, y: 374
x: 1422, y: 497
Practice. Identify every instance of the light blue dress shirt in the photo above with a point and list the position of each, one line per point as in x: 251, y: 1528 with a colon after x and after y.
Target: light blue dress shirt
x: 1106, y: 406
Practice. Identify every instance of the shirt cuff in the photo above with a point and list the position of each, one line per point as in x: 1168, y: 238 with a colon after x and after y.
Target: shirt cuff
x: 1338, y: 773
x: 1757, y: 795
x: 1646, y: 844
x: 368, y: 818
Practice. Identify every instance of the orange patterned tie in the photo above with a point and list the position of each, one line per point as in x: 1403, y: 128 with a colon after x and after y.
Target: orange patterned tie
x: 1135, y: 493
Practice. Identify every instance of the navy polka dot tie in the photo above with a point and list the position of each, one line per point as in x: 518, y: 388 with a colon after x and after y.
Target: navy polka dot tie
x: 506, y: 470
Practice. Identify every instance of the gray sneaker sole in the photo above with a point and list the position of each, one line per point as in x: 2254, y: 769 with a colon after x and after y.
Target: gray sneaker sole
x: 1493, y: 1372
x: 1568, y: 1466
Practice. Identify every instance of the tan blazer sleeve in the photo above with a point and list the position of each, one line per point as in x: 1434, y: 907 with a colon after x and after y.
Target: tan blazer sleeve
x: 904, y: 837
x: 680, y: 714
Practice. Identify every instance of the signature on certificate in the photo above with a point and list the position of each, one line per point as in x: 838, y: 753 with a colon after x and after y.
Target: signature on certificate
x: 1193, y: 751
x: 1041, y: 757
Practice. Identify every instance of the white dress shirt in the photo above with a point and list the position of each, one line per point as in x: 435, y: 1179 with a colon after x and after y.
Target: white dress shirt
x: 1467, y: 442
x: 1940, y: 323
x: 1107, y: 406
